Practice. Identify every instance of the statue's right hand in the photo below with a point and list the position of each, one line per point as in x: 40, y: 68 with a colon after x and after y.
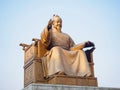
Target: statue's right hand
x: 49, y: 26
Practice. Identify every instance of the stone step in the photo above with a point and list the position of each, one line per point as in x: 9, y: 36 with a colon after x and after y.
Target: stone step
x: 34, y: 86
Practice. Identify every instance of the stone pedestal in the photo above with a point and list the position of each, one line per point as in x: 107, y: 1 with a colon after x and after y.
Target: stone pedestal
x: 64, y: 87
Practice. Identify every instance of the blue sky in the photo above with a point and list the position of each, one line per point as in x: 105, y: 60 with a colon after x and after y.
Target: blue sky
x: 83, y: 20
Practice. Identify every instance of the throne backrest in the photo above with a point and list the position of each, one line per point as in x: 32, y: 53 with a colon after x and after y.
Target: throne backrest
x: 34, y: 50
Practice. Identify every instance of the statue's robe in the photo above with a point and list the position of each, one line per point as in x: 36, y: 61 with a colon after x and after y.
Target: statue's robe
x: 60, y: 58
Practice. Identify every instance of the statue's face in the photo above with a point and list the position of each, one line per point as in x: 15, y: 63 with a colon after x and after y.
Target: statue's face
x: 57, y: 23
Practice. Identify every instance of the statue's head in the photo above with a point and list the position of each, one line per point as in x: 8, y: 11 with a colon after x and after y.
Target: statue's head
x: 57, y: 23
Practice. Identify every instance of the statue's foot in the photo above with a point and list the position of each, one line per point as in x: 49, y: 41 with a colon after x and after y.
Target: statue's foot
x: 58, y: 73
x: 61, y: 73
x: 87, y: 75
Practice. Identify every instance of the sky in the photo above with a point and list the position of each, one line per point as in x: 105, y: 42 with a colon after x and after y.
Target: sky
x: 94, y: 20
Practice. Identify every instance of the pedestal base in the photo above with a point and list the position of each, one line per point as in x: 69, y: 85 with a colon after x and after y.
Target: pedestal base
x: 64, y: 87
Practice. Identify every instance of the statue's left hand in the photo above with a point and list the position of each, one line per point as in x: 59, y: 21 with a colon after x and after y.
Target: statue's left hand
x: 89, y: 44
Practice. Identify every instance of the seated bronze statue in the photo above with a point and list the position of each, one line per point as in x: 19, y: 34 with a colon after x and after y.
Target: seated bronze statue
x: 63, y: 56
x: 56, y: 54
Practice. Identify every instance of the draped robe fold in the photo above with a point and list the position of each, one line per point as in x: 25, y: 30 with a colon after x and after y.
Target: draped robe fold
x: 60, y: 58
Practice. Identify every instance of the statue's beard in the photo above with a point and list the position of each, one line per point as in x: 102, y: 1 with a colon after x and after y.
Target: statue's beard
x: 58, y: 28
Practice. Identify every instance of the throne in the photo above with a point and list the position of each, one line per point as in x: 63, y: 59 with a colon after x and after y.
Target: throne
x: 34, y: 67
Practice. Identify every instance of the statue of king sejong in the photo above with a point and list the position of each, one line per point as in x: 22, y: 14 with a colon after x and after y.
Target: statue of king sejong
x: 63, y: 57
